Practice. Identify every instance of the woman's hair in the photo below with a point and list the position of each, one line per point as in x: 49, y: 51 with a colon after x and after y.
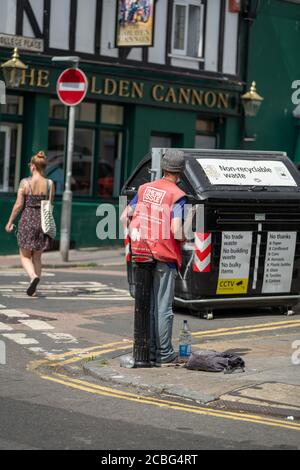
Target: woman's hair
x: 40, y: 161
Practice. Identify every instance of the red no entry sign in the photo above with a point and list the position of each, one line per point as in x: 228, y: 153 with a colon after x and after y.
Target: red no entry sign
x: 72, y: 87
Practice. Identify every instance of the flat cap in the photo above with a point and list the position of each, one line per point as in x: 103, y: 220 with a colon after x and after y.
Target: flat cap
x: 173, y: 161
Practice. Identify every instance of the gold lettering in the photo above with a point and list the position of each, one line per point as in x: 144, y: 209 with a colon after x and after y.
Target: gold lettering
x: 184, y: 95
x: 28, y: 75
x: 94, y: 89
x: 210, y: 99
x: 223, y: 100
x: 124, y: 88
x: 171, y: 96
x: 197, y: 97
x: 137, y: 90
x: 43, y: 79
x: 110, y: 86
x: 155, y: 92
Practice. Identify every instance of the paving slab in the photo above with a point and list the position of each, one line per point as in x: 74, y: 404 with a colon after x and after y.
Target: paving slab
x: 89, y: 257
x: 269, y: 372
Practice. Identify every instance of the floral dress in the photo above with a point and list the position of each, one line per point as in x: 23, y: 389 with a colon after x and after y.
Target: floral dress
x: 30, y: 234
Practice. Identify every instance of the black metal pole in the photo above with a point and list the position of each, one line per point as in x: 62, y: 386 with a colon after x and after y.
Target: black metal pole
x: 143, y: 288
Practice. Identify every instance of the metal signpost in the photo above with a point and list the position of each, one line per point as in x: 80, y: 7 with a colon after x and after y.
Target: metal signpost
x: 72, y: 86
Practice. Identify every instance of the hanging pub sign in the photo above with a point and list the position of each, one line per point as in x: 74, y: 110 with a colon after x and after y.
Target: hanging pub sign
x: 135, y: 21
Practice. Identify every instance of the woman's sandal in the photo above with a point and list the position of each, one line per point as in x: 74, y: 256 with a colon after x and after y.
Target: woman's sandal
x: 32, y: 286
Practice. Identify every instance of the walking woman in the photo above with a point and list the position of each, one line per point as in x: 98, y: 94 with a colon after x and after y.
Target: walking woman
x: 31, y: 239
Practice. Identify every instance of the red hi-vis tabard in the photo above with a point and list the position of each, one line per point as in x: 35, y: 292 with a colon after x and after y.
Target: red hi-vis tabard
x: 150, y: 229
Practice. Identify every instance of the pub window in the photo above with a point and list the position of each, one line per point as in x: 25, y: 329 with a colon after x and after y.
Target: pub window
x: 57, y: 110
x: 56, y: 157
x: 13, y: 106
x: 11, y: 127
x: 98, y: 144
x: 109, y: 164
x: 111, y: 114
x: 206, y: 134
x: 187, y: 30
x: 86, y: 112
x: 83, y: 157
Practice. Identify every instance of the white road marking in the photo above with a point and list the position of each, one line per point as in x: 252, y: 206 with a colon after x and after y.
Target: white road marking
x: 4, y: 327
x: 13, y: 313
x: 38, y: 350
x: 75, y: 298
x: 61, y: 337
x: 19, y: 272
x: 72, y: 290
x: 38, y: 325
x: 20, y: 338
x: 2, y: 306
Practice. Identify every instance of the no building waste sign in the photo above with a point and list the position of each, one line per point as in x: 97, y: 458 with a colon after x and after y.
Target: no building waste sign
x: 234, y: 263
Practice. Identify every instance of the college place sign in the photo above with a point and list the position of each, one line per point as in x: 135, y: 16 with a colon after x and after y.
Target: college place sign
x: 143, y: 92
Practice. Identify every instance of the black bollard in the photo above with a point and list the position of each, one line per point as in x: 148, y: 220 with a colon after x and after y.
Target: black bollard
x: 143, y: 288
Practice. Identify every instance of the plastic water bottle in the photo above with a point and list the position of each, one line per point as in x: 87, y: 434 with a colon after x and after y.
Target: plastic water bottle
x: 185, y: 341
x: 127, y: 361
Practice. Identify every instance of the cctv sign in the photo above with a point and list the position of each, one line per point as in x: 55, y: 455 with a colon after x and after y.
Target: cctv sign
x: 247, y: 172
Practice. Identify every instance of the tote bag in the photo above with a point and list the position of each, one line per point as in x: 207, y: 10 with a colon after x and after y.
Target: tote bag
x: 47, y: 219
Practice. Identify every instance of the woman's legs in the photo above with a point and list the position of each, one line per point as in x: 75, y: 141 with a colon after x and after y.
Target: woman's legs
x: 37, y: 262
x: 27, y: 263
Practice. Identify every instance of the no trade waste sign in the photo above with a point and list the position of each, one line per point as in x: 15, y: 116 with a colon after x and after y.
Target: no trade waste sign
x: 72, y: 87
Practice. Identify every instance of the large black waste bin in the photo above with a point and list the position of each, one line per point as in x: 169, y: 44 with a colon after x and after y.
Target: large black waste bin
x: 246, y: 250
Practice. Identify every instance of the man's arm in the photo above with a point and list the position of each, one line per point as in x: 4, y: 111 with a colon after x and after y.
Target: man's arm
x: 128, y: 212
x: 177, y: 227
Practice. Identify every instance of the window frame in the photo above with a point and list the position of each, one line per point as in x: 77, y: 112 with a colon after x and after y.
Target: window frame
x: 183, y: 53
x: 206, y: 133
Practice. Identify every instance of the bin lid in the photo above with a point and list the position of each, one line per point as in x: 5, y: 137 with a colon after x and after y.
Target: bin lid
x: 219, y: 173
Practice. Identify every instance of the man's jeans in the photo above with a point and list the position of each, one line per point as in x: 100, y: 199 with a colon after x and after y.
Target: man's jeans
x: 161, y: 313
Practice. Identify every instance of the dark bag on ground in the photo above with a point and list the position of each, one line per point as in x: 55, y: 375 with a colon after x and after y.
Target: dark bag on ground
x: 213, y: 361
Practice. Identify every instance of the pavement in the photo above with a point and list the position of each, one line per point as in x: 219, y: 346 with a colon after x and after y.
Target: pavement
x: 269, y: 385
x: 86, y: 257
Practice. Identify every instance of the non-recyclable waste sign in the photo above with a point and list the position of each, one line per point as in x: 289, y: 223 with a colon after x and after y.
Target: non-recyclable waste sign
x: 247, y: 172
x: 234, y: 263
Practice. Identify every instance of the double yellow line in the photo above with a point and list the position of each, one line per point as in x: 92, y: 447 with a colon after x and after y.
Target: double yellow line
x: 247, y: 329
x: 167, y: 404
x: 77, y: 355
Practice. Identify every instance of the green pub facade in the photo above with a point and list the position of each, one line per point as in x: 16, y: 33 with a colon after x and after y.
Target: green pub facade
x: 183, y: 91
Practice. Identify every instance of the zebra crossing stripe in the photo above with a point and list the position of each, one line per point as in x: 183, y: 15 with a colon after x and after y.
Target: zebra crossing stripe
x: 13, y: 313
x: 62, y: 338
x: 37, y: 325
x: 20, y: 338
x: 4, y: 327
